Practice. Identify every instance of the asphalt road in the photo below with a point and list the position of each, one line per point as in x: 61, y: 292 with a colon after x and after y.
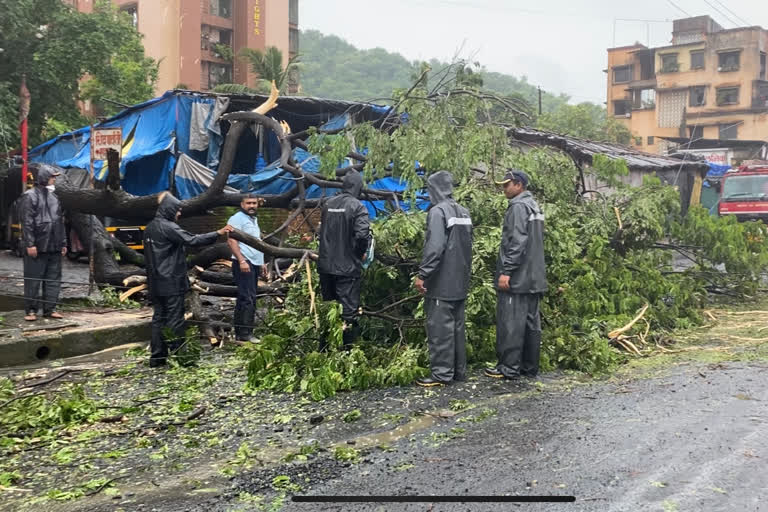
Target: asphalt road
x: 74, y: 277
x: 694, y: 440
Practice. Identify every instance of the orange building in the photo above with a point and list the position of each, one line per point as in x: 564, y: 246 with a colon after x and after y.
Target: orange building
x: 707, y: 92
x: 197, y: 42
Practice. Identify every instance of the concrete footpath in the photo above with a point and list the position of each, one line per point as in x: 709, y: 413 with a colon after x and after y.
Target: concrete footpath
x: 83, y: 330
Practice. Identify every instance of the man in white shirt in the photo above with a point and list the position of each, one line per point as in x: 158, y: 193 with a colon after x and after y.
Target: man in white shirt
x: 247, y: 266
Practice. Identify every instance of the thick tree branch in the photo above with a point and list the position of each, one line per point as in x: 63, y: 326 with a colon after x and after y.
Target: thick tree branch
x: 262, y: 246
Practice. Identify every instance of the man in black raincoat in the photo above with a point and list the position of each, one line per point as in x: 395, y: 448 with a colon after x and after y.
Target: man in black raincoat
x: 344, y: 240
x: 444, y: 274
x: 45, y: 242
x: 166, y: 263
x: 521, y: 280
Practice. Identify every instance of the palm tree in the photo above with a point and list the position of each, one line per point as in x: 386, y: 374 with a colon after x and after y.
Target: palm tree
x: 268, y: 64
x: 262, y: 88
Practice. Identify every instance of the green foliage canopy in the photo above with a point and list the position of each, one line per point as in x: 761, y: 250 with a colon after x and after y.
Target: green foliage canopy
x: 57, y: 47
x: 600, y: 274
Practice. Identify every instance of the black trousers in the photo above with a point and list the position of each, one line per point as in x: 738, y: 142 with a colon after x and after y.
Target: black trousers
x: 168, y: 318
x: 518, y: 334
x: 447, y: 339
x: 45, y: 271
x: 245, y: 307
x: 346, y: 291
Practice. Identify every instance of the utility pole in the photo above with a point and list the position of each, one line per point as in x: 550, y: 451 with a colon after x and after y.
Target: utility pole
x: 539, y: 100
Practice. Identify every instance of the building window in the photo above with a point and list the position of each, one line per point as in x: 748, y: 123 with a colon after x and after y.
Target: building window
x: 643, y: 99
x: 762, y: 66
x: 622, y: 74
x: 729, y: 61
x: 696, y: 132
x: 650, y: 140
x: 729, y: 131
x: 761, y: 96
x: 727, y: 96
x: 669, y: 63
x: 622, y: 108
x: 219, y: 74
x: 697, y: 59
x: 221, y: 8
x: 293, y: 12
x: 225, y: 37
x: 132, y: 10
x: 698, y: 96
x: 293, y: 41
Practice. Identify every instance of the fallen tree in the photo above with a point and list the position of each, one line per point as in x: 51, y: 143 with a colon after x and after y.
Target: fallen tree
x: 605, y: 263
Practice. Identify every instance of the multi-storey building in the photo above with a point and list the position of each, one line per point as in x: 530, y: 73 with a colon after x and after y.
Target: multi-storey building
x: 707, y: 91
x: 197, y: 42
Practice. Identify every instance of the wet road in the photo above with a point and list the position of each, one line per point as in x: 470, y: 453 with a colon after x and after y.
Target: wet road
x: 694, y: 440
x: 74, y: 277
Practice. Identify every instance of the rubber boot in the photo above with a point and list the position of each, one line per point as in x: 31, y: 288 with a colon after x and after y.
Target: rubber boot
x: 350, y: 335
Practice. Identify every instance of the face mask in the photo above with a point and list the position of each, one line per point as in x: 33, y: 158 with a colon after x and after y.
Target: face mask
x: 51, y: 187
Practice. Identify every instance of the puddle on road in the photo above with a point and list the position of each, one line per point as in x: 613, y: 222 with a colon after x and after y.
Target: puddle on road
x: 390, y: 436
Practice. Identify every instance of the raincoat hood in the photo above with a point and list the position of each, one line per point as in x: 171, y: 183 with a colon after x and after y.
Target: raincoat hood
x: 44, y: 173
x: 440, y: 186
x: 353, y: 183
x: 168, y: 208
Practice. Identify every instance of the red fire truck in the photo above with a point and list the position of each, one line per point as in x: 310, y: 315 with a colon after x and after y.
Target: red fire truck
x: 744, y: 193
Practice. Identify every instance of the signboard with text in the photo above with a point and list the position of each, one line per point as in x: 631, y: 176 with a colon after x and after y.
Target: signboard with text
x: 712, y: 156
x: 104, y: 139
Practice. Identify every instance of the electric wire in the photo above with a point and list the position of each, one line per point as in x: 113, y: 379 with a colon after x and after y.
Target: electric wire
x: 739, y: 18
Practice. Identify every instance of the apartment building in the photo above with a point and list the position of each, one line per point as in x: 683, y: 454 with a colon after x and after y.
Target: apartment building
x: 197, y: 41
x: 706, y: 92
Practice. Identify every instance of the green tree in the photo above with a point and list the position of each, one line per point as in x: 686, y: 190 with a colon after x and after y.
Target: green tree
x: 131, y: 79
x: 585, y: 120
x: 56, y: 47
x: 269, y: 65
x: 603, y: 260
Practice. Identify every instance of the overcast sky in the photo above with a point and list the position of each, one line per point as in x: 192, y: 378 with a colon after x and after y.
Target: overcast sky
x: 558, y: 44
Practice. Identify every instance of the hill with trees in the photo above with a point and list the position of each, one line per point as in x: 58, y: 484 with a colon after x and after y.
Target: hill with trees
x: 333, y: 68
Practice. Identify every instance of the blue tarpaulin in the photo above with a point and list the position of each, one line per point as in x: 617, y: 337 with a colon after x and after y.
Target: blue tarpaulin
x: 178, y: 125
x: 149, y: 133
x: 715, y: 172
x: 192, y: 179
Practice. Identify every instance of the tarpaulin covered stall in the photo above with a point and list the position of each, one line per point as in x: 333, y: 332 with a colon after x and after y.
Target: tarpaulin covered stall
x: 174, y: 142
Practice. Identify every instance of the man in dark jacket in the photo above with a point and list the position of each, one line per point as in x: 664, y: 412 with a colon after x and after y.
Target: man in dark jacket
x: 45, y: 241
x: 444, y: 274
x: 166, y: 263
x: 521, y: 279
x: 344, y: 240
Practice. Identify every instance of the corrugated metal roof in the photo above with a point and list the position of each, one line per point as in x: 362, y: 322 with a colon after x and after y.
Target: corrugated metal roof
x: 583, y: 150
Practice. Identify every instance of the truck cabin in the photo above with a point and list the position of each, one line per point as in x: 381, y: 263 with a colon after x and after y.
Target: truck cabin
x: 744, y: 193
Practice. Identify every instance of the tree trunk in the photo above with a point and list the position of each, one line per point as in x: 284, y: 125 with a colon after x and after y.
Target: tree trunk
x: 207, y: 256
x: 106, y: 269
x: 217, y: 277
x: 202, y: 320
